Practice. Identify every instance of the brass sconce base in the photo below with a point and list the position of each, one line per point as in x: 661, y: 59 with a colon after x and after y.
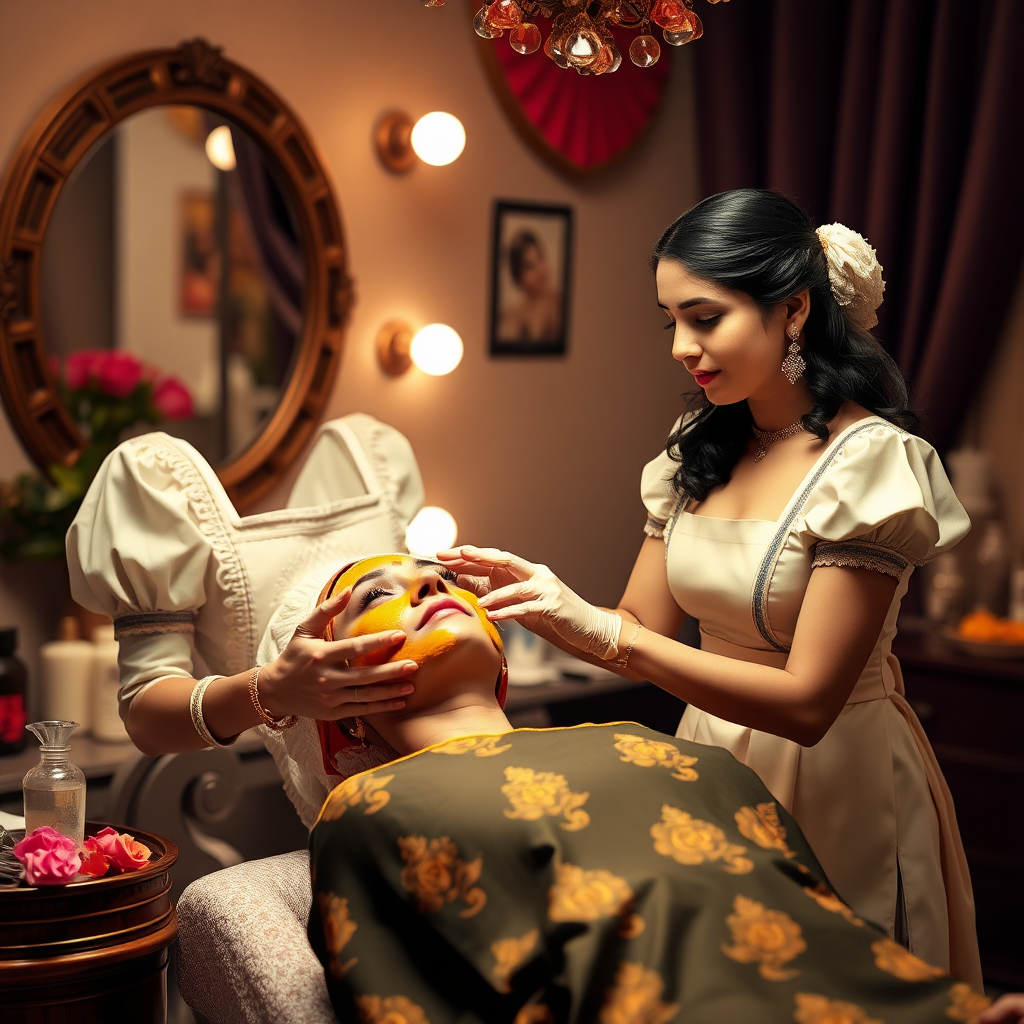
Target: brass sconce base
x: 393, y: 343
x: 394, y: 142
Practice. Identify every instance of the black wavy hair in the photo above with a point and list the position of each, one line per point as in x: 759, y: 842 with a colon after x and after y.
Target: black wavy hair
x: 761, y: 243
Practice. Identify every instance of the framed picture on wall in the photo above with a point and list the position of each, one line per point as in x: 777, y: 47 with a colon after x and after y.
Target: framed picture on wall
x: 200, y: 264
x: 532, y: 259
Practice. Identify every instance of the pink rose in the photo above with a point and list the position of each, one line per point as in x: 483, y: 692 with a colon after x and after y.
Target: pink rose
x: 111, y: 850
x: 129, y: 854
x: 118, y: 373
x: 49, y: 858
x: 172, y: 399
x: 80, y: 366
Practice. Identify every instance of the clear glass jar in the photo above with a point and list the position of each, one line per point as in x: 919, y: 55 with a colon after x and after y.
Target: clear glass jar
x: 55, y: 789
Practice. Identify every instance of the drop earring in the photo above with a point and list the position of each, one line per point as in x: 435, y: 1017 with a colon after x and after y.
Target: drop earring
x: 794, y: 364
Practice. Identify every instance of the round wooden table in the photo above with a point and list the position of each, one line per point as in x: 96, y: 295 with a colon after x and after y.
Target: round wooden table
x: 91, y: 952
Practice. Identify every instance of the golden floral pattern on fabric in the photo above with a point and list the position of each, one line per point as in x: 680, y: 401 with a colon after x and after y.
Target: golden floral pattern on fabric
x: 535, y: 1013
x: 653, y: 753
x: 635, y: 998
x: 435, y: 874
x: 691, y: 841
x: 814, y: 1009
x: 632, y: 927
x: 368, y: 789
x: 480, y: 746
x: 761, y: 825
x: 769, y: 938
x: 389, y: 1010
x: 534, y: 794
x: 338, y: 930
x: 509, y: 955
x: 828, y: 900
x: 964, y: 1003
x: 582, y: 895
x: 898, y: 961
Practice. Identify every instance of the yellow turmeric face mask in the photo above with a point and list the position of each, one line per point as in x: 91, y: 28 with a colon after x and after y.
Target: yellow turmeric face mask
x: 417, y: 596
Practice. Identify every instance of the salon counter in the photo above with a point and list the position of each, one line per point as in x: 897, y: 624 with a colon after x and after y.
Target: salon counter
x: 972, y: 709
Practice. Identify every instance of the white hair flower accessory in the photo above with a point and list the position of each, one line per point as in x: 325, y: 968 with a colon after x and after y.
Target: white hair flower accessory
x: 854, y: 273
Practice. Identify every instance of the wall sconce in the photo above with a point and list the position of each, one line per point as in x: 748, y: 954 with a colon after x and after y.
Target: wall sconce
x: 436, y: 138
x: 220, y: 150
x: 436, y: 349
x: 431, y: 530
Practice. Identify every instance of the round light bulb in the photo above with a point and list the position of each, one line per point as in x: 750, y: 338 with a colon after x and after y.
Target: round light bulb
x: 432, y: 530
x: 220, y: 149
x: 436, y: 349
x: 438, y: 138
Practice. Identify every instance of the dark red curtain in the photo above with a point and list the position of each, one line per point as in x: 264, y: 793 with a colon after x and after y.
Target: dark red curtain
x: 903, y: 120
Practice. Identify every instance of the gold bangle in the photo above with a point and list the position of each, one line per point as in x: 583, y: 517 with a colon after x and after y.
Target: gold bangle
x: 624, y: 661
x: 254, y: 695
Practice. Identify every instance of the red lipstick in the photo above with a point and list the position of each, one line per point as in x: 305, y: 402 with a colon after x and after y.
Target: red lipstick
x: 441, y: 605
x: 704, y: 379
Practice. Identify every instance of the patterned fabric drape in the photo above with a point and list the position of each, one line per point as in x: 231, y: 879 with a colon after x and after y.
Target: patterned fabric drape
x: 899, y: 118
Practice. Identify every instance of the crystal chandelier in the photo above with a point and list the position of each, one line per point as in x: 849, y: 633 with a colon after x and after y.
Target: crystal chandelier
x: 580, y: 35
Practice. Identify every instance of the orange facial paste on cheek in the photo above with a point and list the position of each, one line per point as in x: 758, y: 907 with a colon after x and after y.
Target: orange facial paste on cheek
x: 389, y: 615
x: 489, y: 627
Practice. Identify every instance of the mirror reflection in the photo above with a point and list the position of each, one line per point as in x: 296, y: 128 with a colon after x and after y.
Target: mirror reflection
x: 175, y: 244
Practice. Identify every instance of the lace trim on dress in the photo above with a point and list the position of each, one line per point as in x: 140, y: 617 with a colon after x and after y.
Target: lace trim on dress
x: 239, y: 617
x: 758, y: 600
x: 654, y: 528
x: 153, y: 622
x: 370, y: 439
x: 860, y: 554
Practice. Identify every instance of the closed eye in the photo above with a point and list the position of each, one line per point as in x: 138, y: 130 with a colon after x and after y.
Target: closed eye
x: 708, y: 322
x: 370, y: 596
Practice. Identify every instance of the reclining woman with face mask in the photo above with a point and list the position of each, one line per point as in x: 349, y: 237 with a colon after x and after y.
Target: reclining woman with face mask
x: 600, y: 872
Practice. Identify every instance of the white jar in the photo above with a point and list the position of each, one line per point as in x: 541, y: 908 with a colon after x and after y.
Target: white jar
x: 106, y: 678
x: 66, y: 667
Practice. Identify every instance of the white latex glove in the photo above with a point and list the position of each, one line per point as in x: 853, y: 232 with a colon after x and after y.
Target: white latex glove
x: 514, y: 588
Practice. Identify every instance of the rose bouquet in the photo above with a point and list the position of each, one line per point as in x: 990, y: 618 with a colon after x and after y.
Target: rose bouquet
x: 48, y: 858
x: 108, y: 393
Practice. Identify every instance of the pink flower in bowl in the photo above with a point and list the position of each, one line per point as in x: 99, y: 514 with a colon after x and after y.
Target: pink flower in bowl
x: 172, y: 399
x: 48, y: 857
x: 118, y: 373
x: 110, y: 850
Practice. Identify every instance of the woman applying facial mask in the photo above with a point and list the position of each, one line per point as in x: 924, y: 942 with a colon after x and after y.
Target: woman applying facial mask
x: 786, y: 514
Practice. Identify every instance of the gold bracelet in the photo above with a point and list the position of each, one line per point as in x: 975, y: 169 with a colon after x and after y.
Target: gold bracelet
x: 624, y: 661
x: 254, y: 695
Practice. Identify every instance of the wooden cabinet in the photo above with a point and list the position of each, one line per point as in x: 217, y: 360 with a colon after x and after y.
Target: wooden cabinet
x: 973, y: 712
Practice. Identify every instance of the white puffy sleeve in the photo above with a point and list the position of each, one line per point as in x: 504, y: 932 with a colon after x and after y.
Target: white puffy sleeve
x: 659, y: 496
x: 884, y: 503
x: 136, y: 553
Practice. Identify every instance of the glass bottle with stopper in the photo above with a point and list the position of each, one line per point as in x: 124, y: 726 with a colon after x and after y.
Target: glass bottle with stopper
x: 55, y: 789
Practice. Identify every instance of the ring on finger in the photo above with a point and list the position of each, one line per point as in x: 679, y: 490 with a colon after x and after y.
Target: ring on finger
x: 355, y: 693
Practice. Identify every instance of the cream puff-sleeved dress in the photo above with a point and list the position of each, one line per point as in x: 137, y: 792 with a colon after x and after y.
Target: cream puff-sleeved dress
x: 191, y: 586
x: 870, y: 796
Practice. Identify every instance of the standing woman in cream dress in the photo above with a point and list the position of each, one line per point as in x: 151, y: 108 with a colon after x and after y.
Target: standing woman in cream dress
x: 786, y: 514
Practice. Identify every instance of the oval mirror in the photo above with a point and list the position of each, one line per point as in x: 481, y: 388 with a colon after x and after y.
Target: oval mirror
x: 172, y: 208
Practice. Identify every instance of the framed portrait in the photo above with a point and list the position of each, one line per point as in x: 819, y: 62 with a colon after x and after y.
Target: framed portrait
x: 531, y: 279
x: 200, y: 263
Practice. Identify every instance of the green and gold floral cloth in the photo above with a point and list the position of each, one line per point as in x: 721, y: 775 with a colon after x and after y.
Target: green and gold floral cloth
x: 601, y: 873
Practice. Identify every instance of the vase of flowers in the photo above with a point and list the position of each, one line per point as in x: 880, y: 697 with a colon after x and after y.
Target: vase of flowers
x: 109, y: 393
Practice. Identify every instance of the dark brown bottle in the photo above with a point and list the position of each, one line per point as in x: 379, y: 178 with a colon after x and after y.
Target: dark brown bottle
x: 13, y: 694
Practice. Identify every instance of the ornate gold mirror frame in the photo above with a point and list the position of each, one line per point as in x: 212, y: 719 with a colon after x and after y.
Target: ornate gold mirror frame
x: 194, y: 73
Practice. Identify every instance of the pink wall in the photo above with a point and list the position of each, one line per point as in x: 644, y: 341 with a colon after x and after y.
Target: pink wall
x: 542, y: 457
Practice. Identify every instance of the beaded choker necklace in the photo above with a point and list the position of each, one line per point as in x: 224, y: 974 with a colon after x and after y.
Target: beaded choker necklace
x: 766, y: 438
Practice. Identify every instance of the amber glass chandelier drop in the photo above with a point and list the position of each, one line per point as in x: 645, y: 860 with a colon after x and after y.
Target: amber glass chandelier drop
x: 580, y: 31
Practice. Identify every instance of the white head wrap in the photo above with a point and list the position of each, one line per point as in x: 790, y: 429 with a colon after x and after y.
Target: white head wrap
x: 854, y: 273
